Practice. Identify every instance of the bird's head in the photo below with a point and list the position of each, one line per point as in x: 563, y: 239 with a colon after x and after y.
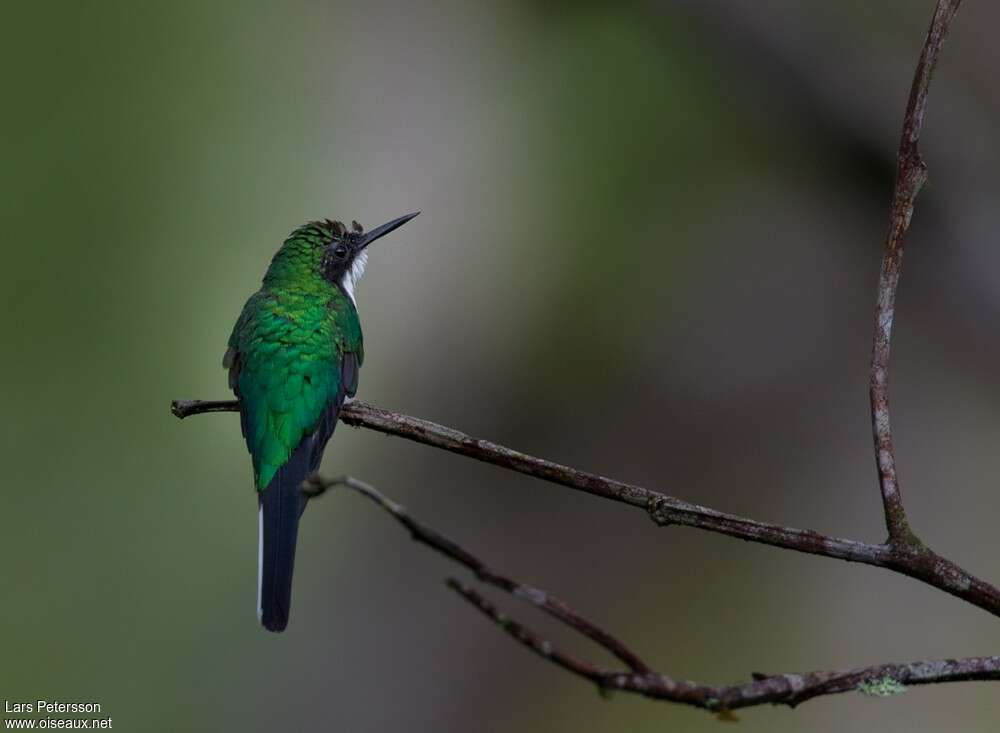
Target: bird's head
x: 329, y: 252
x: 346, y: 255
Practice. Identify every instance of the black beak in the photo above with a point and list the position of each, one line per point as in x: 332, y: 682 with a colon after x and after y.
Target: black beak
x: 369, y: 237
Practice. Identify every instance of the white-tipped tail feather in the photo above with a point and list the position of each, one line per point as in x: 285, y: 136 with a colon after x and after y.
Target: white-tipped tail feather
x: 260, y: 561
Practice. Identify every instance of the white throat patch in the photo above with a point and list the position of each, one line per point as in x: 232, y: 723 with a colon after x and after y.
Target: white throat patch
x: 351, y: 276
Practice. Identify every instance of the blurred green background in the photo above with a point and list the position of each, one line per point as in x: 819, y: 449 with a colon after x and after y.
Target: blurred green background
x: 649, y: 247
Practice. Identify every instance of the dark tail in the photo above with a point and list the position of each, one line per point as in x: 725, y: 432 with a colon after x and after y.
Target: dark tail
x: 279, y: 506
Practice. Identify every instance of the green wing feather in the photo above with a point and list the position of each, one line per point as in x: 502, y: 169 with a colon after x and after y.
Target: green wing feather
x: 285, y: 356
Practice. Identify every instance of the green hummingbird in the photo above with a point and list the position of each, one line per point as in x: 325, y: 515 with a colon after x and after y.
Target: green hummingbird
x: 293, y: 360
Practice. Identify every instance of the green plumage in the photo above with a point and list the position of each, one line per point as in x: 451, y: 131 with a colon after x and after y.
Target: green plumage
x: 291, y: 340
x: 293, y: 360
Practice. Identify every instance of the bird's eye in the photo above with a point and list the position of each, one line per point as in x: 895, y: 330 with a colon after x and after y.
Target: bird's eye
x: 340, y: 251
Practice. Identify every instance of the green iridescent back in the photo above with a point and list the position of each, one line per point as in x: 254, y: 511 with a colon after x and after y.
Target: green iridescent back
x: 288, y: 347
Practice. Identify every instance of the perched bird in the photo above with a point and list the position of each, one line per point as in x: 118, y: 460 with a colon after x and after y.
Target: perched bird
x: 293, y: 359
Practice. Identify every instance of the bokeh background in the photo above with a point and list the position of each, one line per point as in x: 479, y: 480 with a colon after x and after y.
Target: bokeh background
x: 649, y: 246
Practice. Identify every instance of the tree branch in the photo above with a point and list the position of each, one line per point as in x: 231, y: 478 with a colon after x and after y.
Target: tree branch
x: 911, y: 173
x: 786, y: 689
x: 432, y: 538
x: 916, y: 562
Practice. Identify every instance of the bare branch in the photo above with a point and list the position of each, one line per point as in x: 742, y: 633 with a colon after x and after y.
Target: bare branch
x: 916, y: 562
x: 787, y: 689
x: 185, y: 408
x: 911, y: 173
x: 432, y: 538
x: 779, y: 689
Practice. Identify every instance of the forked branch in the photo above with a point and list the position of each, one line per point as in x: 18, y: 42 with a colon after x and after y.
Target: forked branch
x: 638, y: 677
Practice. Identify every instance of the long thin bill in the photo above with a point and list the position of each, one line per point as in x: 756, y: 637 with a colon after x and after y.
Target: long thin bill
x: 369, y: 237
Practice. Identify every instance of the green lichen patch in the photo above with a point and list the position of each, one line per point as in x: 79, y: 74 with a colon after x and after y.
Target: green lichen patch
x: 881, y: 687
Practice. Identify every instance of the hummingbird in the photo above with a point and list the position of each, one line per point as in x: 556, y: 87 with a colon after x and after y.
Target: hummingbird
x: 293, y: 360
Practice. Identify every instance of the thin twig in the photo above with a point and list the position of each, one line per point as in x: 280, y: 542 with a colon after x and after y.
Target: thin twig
x: 916, y: 562
x: 432, y: 538
x: 911, y: 173
x: 787, y: 689
x: 778, y: 689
